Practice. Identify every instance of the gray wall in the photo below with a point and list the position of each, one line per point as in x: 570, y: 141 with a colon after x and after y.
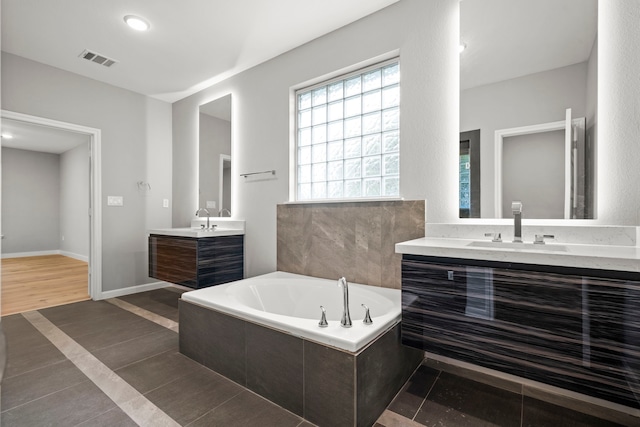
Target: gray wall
x: 424, y: 33
x: 215, y: 139
x: 529, y: 100
x: 136, y: 146
x: 30, y: 201
x: 618, y: 105
x: 74, y: 202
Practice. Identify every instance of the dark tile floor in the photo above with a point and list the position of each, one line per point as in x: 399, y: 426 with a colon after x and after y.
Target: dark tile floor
x: 42, y: 387
x: 435, y: 398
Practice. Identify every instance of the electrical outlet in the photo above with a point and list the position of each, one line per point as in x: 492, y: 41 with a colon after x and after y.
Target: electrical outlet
x: 211, y: 204
x: 115, y: 201
x: 165, y: 203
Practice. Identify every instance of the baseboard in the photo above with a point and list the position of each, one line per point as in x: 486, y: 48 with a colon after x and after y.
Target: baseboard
x: 132, y: 290
x: 28, y: 254
x: 75, y: 256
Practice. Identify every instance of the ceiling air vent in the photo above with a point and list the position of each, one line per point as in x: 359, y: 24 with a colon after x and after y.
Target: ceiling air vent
x: 97, y: 58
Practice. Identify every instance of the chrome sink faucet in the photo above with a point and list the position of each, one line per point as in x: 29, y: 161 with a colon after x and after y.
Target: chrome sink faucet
x: 207, y: 212
x: 345, y: 322
x: 516, y: 208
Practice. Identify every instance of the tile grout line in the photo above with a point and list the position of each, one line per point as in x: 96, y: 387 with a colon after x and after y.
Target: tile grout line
x: 149, y: 315
x: 425, y: 398
x: 213, y: 409
x: 44, y: 396
x: 132, y: 402
x: 521, y: 409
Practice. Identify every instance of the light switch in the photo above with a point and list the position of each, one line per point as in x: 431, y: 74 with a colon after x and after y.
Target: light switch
x: 115, y: 201
x: 165, y: 203
x: 211, y: 204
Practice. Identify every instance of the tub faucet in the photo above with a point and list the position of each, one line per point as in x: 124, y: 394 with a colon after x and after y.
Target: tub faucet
x: 345, y: 322
x: 516, y: 208
x: 208, y: 215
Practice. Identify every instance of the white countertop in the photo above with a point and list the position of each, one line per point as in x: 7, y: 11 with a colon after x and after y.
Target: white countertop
x: 604, y: 257
x: 223, y: 227
x: 197, y: 232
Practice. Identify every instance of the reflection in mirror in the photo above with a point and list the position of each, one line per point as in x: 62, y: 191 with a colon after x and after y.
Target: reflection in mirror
x: 225, y: 185
x: 525, y: 64
x: 214, y: 153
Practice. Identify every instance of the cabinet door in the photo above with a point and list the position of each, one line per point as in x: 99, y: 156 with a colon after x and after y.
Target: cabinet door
x: 570, y: 329
x: 173, y: 259
x: 450, y: 310
x: 220, y: 260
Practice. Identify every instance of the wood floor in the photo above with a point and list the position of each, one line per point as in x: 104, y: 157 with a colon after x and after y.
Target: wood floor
x: 32, y: 283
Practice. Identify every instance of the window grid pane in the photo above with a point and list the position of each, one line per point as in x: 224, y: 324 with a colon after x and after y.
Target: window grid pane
x: 348, y: 143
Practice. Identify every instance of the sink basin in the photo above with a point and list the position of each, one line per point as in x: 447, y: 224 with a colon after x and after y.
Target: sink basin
x: 519, y: 246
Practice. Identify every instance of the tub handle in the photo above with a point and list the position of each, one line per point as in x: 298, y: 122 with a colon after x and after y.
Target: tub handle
x: 323, y: 319
x: 367, y: 317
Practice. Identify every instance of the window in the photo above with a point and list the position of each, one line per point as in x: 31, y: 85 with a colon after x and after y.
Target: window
x: 347, y: 136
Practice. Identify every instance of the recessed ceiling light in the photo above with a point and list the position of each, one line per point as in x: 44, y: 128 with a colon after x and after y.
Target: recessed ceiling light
x: 7, y: 136
x: 137, y: 23
x: 462, y: 47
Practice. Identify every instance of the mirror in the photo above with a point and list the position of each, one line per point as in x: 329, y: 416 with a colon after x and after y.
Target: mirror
x: 525, y: 63
x: 214, y: 154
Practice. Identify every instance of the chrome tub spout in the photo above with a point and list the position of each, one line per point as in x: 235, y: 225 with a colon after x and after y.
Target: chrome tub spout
x: 345, y: 322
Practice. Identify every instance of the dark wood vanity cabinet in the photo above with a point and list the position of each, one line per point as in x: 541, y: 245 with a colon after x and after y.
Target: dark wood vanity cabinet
x: 196, y: 262
x: 577, y: 329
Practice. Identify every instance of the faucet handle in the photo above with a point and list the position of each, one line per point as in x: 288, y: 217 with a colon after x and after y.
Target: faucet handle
x: 516, y: 207
x: 495, y: 237
x: 367, y: 317
x: 323, y: 318
x: 539, y: 239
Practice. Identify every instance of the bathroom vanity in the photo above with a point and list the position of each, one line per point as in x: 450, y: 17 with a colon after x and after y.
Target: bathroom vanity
x: 197, y: 257
x: 563, y: 315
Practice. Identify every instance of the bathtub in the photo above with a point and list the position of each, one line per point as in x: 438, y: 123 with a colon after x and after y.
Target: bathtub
x: 291, y: 303
x: 263, y: 334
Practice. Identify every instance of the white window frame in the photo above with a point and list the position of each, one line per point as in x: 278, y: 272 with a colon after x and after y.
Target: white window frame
x: 296, y: 197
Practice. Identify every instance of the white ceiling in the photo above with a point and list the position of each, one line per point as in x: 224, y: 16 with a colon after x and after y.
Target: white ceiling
x: 191, y: 44
x: 512, y: 38
x: 28, y: 136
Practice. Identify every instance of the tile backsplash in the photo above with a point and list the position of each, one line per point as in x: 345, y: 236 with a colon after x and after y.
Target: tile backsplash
x: 352, y: 239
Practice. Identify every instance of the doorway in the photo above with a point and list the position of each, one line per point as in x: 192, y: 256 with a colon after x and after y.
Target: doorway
x: 469, y: 174
x: 92, y: 209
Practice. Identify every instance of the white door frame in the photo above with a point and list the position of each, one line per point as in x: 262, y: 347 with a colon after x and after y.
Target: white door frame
x: 569, y: 182
x: 95, y: 209
x: 223, y: 158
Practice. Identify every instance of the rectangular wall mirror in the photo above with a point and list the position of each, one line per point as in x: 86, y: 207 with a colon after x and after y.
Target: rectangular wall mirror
x: 214, y: 154
x: 526, y: 63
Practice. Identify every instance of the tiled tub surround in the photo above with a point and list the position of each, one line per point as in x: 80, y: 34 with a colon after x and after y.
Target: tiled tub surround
x: 355, y: 240
x: 573, y: 328
x: 326, y: 385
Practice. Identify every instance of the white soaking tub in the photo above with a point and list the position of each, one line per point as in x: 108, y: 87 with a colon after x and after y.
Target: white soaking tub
x: 291, y: 303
